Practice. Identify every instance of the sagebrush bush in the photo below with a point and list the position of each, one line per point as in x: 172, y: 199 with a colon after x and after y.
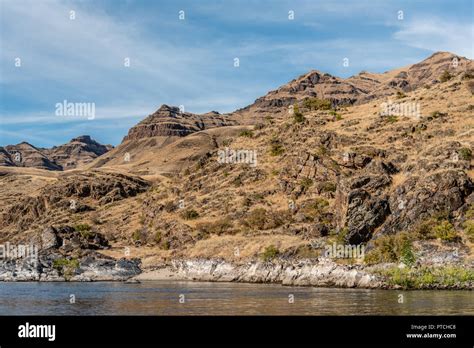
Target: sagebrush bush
x: 270, y: 253
x: 297, y: 114
x: 392, y: 248
x: 189, y: 214
x: 317, y: 104
x: 445, y: 231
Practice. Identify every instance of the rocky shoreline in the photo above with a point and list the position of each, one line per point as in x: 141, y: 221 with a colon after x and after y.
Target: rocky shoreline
x: 321, y: 272
x: 90, y: 268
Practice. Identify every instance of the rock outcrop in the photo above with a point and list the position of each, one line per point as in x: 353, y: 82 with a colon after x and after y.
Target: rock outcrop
x: 170, y: 121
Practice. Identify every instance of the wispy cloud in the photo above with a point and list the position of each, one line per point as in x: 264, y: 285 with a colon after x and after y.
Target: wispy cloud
x: 438, y: 34
x: 190, y: 62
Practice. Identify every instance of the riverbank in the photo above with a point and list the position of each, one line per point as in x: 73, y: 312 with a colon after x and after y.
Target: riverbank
x: 320, y: 273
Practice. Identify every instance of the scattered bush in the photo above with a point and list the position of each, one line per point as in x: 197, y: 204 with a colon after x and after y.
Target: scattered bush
x: 157, y: 238
x: 314, y: 209
x: 84, y: 229
x: 270, y: 253
x: 469, y: 230
x: 341, y: 236
x: 391, y: 118
x: 217, y: 227
x: 306, y: 183
x: 317, y: 104
x: 392, y: 248
x: 423, y: 277
x: 328, y: 186
x: 465, y: 153
x: 445, y: 231
x: 66, y: 267
x: 400, y: 95
x: 246, y: 133
x: 261, y: 219
x: 276, y: 148
x: 437, y: 114
x: 337, y: 116
x: 445, y: 76
x: 189, y: 214
x: 297, y: 114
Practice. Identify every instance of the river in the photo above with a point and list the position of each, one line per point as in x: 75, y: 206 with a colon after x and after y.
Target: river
x: 200, y: 298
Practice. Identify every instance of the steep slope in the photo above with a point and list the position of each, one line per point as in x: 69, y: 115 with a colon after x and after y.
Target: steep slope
x: 167, y: 141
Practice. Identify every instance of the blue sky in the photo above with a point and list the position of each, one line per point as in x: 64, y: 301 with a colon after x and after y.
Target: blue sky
x: 190, y: 62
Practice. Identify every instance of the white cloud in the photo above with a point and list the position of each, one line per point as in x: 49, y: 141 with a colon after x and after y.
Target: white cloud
x: 436, y: 34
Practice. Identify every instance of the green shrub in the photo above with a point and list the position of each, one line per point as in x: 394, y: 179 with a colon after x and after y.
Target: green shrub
x: 261, y: 219
x: 391, y: 118
x: 217, y: 227
x: 317, y: 104
x: 392, y: 248
x: 270, y: 253
x: 337, y: 116
x: 446, y: 232
x: 137, y: 235
x: 165, y: 245
x: 66, y: 267
x: 306, y: 183
x: 341, y: 237
x: 84, y: 230
x: 423, y: 277
x: 400, y: 95
x: 157, y: 237
x: 297, y: 114
x: 246, y: 133
x: 445, y: 76
x: 257, y: 218
x: 276, y: 148
x: 437, y: 114
x: 189, y: 214
x: 469, y: 230
x: 315, y: 208
x: 328, y: 186
x: 465, y: 153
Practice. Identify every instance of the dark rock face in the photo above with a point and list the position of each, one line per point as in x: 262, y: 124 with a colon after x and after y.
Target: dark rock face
x: 67, y: 239
x: 362, y: 206
x: 170, y: 121
x: 363, y: 203
x: 421, y: 197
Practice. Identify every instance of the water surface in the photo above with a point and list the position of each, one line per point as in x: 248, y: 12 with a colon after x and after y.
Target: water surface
x: 200, y: 298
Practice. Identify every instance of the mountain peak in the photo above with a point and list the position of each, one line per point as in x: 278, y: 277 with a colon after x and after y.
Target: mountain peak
x: 83, y: 139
